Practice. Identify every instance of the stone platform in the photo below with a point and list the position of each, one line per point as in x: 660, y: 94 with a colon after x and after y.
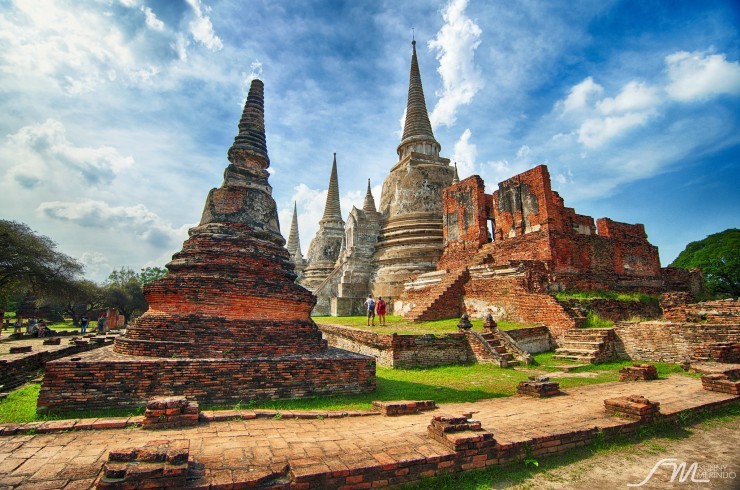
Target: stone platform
x: 129, y: 381
x: 334, y: 452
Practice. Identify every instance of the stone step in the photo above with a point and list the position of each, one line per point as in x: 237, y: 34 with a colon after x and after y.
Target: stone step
x: 563, y: 350
x: 569, y: 344
x: 588, y: 359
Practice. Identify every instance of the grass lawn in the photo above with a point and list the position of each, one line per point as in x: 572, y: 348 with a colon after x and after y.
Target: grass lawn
x: 446, y: 384
x: 401, y: 326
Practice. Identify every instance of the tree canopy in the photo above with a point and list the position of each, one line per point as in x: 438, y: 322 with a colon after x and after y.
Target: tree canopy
x: 31, y: 262
x: 718, y: 256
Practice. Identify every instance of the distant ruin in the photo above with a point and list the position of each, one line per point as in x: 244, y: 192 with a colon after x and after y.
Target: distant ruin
x: 535, y: 246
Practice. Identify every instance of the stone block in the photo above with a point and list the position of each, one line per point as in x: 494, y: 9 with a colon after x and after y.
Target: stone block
x: 393, y: 408
x: 721, y: 383
x: 638, y: 372
x: 538, y: 389
x: 634, y: 407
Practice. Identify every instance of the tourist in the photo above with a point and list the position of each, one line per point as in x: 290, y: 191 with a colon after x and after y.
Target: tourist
x: 380, y: 308
x: 31, y: 328
x: 370, y: 305
x: 101, y: 324
x: 83, y: 324
x: 42, y: 330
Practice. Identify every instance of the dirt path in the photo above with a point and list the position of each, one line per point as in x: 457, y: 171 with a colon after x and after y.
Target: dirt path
x: 715, y: 447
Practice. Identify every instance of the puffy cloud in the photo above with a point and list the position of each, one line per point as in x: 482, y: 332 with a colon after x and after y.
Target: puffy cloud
x: 580, y: 94
x: 635, y: 96
x: 43, y: 152
x: 151, y: 19
x: 136, y: 220
x: 465, y: 154
x: 595, y: 132
x: 455, y: 44
x: 201, y: 28
x: 699, y: 76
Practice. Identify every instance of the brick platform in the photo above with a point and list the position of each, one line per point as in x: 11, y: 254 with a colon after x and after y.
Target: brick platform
x: 336, y: 452
x: 634, y: 406
x: 158, y: 464
x: 20, y: 349
x: 130, y: 381
x: 721, y: 383
x: 391, y: 409
x: 638, y: 372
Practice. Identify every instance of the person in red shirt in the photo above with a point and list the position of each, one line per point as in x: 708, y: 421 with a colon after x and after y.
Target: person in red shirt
x: 380, y: 308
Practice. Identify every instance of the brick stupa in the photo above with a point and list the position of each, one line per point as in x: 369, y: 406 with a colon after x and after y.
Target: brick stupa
x: 228, y: 323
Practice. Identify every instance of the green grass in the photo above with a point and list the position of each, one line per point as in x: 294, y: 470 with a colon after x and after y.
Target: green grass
x: 445, y: 384
x: 601, y: 294
x: 401, y: 326
x: 653, y: 438
x: 593, y: 320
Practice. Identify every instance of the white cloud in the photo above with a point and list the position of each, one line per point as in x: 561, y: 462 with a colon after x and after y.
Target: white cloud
x: 137, y: 220
x: 201, y: 28
x: 151, y: 19
x: 523, y: 151
x: 635, y: 96
x: 465, y: 154
x: 42, y: 152
x: 697, y: 75
x: 96, y: 264
x: 580, y: 94
x: 595, y: 132
x: 455, y: 44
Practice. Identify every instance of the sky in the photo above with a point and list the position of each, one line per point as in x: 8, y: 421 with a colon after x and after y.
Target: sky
x: 117, y: 115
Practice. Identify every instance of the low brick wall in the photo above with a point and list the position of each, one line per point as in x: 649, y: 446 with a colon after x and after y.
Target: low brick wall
x: 614, y: 310
x: 106, y: 379
x: 23, y: 368
x: 677, y: 307
x: 670, y: 342
x: 533, y: 339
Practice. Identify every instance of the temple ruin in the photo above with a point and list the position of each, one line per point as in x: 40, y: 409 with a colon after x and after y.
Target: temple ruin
x: 535, y: 246
x: 383, y: 249
x: 228, y: 323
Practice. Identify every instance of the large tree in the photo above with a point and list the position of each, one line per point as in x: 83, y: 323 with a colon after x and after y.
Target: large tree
x: 31, y: 262
x: 82, y: 297
x: 123, y: 291
x: 718, y: 256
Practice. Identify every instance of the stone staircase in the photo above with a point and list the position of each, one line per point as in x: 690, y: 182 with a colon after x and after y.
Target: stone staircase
x: 496, y: 347
x: 443, y: 296
x: 590, y: 345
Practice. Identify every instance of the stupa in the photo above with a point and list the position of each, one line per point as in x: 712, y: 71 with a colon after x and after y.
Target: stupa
x: 228, y: 323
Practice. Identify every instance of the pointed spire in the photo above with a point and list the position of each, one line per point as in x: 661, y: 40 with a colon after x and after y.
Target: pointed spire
x: 369, y: 205
x: 294, y: 242
x: 251, y: 137
x: 455, y: 178
x: 332, y: 211
x: 417, y: 127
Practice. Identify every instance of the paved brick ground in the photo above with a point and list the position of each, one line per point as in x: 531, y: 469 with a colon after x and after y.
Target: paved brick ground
x: 241, y: 450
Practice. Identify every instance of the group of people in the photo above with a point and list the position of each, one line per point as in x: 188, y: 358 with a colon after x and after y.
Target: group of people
x: 375, y: 307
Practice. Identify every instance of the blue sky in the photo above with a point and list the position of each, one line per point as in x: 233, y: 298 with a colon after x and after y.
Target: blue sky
x: 117, y: 114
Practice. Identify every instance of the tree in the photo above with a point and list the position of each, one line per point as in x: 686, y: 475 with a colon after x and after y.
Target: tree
x: 123, y: 291
x: 718, y: 256
x: 30, y: 262
x: 81, y: 298
x: 151, y: 274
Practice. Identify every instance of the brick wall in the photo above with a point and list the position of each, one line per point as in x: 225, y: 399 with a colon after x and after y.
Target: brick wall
x: 677, y: 307
x: 533, y: 339
x: 670, y: 342
x: 402, y: 351
x: 612, y: 309
x: 23, y: 368
x: 130, y: 381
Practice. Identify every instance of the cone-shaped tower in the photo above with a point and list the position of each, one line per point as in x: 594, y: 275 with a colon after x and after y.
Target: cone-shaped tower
x: 369, y: 205
x: 411, y: 240
x: 455, y: 178
x: 294, y: 245
x: 323, y: 251
x: 228, y: 322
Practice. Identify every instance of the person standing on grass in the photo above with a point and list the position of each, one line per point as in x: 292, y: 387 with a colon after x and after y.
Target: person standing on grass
x: 380, y: 308
x: 83, y: 324
x: 101, y: 324
x: 370, y: 305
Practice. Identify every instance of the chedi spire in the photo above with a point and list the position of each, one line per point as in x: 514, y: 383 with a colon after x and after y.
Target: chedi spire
x: 294, y: 242
x: 332, y: 209
x: 369, y: 205
x: 417, y: 130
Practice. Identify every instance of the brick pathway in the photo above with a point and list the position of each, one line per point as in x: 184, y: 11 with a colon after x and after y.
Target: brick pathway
x: 246, y: 449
